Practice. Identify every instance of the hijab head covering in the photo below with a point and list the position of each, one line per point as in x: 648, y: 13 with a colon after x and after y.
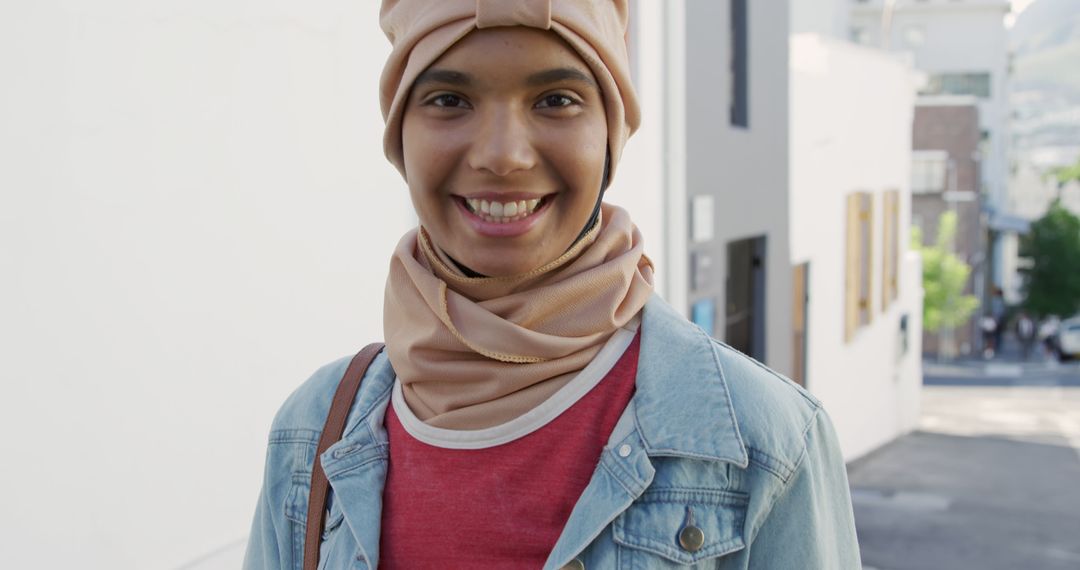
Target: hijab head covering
x: 469, y: 351
x: 422, y: 30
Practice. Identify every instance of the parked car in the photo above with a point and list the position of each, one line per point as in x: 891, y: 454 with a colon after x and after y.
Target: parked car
x: 1067, y: 339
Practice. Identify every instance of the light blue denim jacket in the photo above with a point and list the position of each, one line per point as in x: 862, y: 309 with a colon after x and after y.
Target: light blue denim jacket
x: 709, y: 433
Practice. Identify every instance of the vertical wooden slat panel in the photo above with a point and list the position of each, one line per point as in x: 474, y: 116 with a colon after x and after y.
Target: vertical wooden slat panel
x: 894, y: 276
x: 866, y: 257
x: 886, y: 250
x: 859, y: 264
x: 851, y: 267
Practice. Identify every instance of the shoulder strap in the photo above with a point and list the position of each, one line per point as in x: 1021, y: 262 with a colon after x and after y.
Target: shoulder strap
x: 332, y: 431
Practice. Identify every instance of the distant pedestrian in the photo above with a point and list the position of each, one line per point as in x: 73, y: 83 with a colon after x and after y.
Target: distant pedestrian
x: 988, y: 325
x: 998, y: 310
x: 1025, y: 331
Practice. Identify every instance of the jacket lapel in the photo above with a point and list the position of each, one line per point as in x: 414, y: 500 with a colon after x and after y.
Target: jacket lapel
x: 681, y: 408
x: 356, y: 465
x: 617, y: 482
x: 682, y: 404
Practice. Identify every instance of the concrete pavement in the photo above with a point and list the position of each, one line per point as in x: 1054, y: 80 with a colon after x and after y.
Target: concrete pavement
x: 990, y: 480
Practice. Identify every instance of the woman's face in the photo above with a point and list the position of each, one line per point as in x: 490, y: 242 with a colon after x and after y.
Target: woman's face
x: 504, y: 138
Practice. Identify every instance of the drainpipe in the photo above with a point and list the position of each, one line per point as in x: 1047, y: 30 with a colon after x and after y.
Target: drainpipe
x: 886, y: 24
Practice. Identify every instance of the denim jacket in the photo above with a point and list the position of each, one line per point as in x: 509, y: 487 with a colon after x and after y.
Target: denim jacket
x: 717, y: 462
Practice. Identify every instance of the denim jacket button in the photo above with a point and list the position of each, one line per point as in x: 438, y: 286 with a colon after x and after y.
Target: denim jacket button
x: 575, y: 564
x: 624, y: 450
x: 691, y: 538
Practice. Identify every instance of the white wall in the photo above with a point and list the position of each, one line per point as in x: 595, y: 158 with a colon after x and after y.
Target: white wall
x: 641, y: 177
x: 851, y: 119
x: 195, y: 213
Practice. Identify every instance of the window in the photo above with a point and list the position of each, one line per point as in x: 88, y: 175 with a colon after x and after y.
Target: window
x: 857, y: 310
x: 890, y: 248
x: 977, y: 84
x: 740, y: 113
x: 928, y: 171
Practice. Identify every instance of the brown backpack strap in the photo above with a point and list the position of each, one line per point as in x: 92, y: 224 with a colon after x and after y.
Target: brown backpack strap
x: 332, y: 431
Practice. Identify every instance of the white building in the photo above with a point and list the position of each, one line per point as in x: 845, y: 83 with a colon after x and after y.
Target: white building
x: 962, y: 45
x: 196, y: 213
x: 851, y: 119
x: 204, y: 215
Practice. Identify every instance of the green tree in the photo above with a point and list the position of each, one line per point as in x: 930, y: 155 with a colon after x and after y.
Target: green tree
x: 944, y: 278
x: 1067, y: 174
x: 1052, y: 284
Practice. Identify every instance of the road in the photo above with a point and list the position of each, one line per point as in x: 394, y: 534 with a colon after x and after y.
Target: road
x: 991, y: 479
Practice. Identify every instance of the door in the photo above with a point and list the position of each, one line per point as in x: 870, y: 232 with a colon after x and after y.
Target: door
x: 745, y: 297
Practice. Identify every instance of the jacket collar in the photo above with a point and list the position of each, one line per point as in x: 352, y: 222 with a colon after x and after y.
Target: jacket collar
x: 682, y: 406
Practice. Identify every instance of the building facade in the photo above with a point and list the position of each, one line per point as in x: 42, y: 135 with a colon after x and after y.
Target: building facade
x: 736, y: 94
x: 945, y: 178
x: 962, y: 46
x: 859, y: 285
x: 707, y: 172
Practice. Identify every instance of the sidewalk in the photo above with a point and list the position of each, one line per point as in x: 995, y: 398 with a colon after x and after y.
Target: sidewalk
x: 1007, y: 368
x: 991, y: 480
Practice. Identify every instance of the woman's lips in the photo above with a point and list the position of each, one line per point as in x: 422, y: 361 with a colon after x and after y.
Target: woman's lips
x: 487, y: 224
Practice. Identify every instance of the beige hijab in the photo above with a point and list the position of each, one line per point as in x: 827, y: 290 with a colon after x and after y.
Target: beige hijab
x: 476, y: 352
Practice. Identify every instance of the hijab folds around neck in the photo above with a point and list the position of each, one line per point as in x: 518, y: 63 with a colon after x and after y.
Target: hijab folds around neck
x: 475, y: 352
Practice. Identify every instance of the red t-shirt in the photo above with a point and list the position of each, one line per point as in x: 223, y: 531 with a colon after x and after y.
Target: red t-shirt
x: 501, y: 506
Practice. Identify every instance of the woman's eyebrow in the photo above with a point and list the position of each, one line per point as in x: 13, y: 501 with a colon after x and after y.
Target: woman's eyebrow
x: 444, y: 76
x: 558, y: 74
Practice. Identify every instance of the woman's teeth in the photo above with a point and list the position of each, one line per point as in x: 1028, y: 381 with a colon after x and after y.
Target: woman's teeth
x: 502, y: 212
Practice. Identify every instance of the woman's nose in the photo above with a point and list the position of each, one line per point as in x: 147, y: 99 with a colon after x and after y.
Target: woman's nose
x: 502, y: 143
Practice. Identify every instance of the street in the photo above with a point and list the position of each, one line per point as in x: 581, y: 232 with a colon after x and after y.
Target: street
x: 991, y: 479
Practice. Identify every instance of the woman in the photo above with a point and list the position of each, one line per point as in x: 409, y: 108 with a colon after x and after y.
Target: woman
x: 536, y: 405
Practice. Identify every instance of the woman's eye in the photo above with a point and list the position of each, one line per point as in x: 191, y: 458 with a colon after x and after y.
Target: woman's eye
x: 448, y: 100
x: 556, y: 101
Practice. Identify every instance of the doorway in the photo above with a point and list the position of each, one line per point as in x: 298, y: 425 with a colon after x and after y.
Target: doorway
x: 745, y: 295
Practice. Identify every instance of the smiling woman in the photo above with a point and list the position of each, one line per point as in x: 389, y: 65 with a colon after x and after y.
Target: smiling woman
x: 536, y: 405
x: 504, y: 139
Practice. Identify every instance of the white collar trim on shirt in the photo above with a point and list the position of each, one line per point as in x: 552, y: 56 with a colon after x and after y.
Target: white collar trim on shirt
x: 532, y: 420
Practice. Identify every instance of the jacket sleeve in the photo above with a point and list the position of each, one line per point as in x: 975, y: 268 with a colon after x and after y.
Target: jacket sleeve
x: 811, y: 524
x: 268, y: 545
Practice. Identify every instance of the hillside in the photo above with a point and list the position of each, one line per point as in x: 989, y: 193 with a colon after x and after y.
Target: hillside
x: 1046, y: 76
